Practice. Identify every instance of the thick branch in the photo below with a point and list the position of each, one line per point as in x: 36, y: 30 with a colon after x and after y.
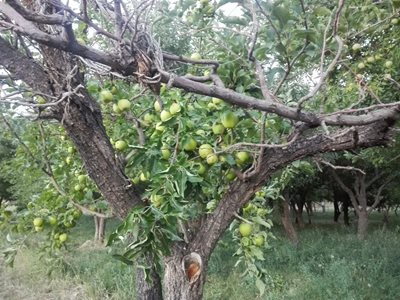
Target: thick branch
x: 240, y: 192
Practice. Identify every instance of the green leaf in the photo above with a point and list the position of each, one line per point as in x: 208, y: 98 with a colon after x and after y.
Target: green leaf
x: 123, y: 259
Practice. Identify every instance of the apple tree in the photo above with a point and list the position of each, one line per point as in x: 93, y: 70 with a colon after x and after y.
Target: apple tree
x: 180, y: 112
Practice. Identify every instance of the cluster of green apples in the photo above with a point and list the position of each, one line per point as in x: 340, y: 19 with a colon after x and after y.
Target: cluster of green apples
x: 201, y: 12
x: 120, y: 105
x: 253, y: 231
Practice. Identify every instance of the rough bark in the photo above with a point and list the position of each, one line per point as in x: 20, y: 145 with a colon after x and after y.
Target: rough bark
x: 81, y: 117
x: 362, y: 225
x: 176, y: 282
x: 148, y: 288
x: 287, y: 222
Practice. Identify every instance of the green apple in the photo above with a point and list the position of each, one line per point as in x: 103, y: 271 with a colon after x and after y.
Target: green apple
x: 106, y: 96
x: 114, y: 90
x: 52, y: 220
x: 116, y: 109
x: 195, y: 56
x: 371, y: 59
x: 165, y: 116
x: 201, y: 170
x: 174, y: 108
x: 149, y: 118
x: 387, y: 76
x: 205, y: 150
x: 361, y: 65
x: 156, y: 200
x: 211, y: 106
x: 190, y: 144
x: 124, y: 104
x: 245, y: 229
x: 41, y: 100
x: 78, y: 187
x: 71, y: 150
x: 69, y: 160
x: 218, y: 129
x: 37, y: 222
x: 63, y: 237
x: 258, y: 240
x: 230, y: 175
x: 356, y: 47
x: 217, y: 101
x: 144, y: 176
x: 157, y: 106
x: 120, y: 145
x: 388, y: 64
x: 135, y: 180
x: 212, y: 158
x: 160, y: 127
x: 242, y: 157
x: 77, y: 214
x: 394, y: 21
x: 82, y: 179
x: 165, y: 153
x: 229, y: 119
x: 38, y: 228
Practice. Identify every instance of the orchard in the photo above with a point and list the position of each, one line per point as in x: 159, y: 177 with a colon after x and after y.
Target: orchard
x: 181, y: 119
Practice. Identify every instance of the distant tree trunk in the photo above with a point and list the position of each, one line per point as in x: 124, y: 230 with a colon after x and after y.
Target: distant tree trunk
x: 287, y: 222
x: 385, y: 219
x: 100, y: 229
x: 362, y: 225
x: 346, y: 219
x: 336, y: 213
x: 309, y: 210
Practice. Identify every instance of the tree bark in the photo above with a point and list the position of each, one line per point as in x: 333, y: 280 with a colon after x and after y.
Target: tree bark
x: 148, y: 287
x: 100, y: 226
x: 336, y: 213
x: 346, y: 218
x: 385, y: 219
x: 287, y: 222
x: 362, y: 225
x: 177, y: 284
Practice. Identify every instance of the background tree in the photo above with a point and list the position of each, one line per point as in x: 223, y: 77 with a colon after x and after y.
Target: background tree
x: 266, y: 69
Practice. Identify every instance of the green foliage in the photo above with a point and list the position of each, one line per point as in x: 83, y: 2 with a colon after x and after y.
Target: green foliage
x: 328, y: 262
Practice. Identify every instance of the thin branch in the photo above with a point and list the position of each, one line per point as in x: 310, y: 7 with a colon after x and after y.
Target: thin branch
x: 347, y: 190
x: 255, y: 145
x: 336, y: 167
x: 49, y: 172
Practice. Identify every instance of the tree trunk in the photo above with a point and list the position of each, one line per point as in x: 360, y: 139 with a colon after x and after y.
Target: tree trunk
x: 336, y: 210
x: 148, y: 287
x: 309, y: 211
x: 385, y: 219
x: 346, y: 218
x: 177, y: 284
x: 100, y: 226
x: 287, y: 222
x: 362, y: 225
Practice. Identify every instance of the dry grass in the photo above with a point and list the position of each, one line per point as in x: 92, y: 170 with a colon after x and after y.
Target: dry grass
x: 27, y: 280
